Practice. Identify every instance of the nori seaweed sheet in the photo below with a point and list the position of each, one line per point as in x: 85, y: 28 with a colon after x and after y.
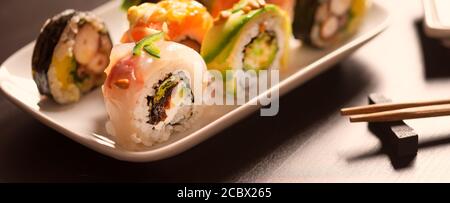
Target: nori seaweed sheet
x: 305, y: 12
x: 45, y: 46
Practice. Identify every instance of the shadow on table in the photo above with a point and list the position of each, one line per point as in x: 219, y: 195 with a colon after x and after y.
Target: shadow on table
x: 248, y: 150
x: 436, y: 56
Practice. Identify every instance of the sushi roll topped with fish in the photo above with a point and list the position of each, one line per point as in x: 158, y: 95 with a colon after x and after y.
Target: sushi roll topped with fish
x: 184, y: 21
x: 323, y: 23
x: 70, y: 56
x: 151, y: 90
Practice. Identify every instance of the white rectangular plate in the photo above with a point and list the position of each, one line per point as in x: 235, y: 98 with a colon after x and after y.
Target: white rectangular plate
x: 84, y: 121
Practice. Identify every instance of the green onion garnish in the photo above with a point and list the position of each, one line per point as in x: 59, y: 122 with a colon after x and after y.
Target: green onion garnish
x: 147, y: 44
x: 153, y: 51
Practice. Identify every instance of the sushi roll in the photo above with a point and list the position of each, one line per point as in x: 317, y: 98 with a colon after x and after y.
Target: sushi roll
x: 217, y: 6
x: 323, y: 23
x: 150, y: 91
x: 70, y: 56
x: 184, y: 21
x: 248, y: 37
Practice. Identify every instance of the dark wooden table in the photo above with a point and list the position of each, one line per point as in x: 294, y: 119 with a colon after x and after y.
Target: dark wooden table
x: 308, y: 140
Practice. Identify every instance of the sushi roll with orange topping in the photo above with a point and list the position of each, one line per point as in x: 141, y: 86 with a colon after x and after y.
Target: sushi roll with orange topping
x: 184, y: 21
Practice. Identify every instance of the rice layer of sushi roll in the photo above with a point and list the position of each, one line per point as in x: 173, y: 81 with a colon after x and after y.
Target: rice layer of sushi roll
x: 248, y: 37
x: 150, y: 91
x: 323, y: 23
x: 70, y: 56
x: 184, y: 21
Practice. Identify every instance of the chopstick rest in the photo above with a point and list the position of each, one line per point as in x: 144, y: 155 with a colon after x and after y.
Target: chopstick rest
x: 403, y: 140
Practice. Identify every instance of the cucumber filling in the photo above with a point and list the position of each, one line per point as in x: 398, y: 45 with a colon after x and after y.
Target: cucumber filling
x: 171, y: 94
x: 260, y: 53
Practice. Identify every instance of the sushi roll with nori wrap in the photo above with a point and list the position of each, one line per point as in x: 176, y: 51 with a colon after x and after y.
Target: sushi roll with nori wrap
x: 248, y: 37
x: 151, y: 90
x: 323, y: 23
x: 70, y: 56
x: 184, y: 21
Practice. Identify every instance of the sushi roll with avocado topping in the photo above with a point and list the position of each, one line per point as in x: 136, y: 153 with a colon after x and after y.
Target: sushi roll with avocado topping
x: 70, y: 56
x: 323, y: 23
x: 151, y: 90
x: 184, y: 21
x: 248, y: 37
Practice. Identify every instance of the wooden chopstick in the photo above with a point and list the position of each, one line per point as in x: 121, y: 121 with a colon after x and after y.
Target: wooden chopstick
x: 389, y: 107
x: 404, y: 114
